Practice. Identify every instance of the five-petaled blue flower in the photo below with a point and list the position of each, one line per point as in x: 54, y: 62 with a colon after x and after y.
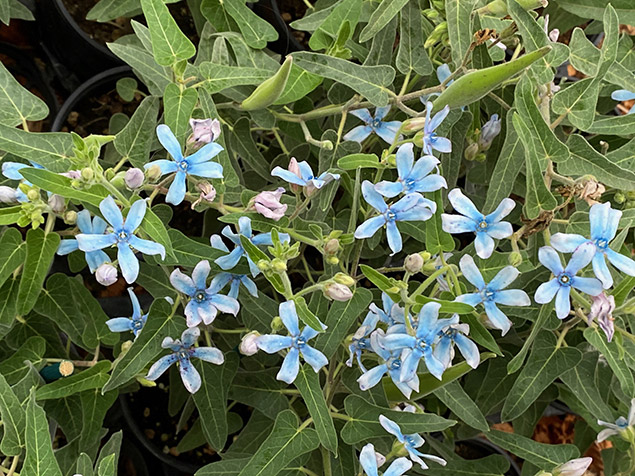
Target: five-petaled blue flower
x: 619, y: 426
x: 413, y: 177
x: 410, y: 442
x: 296, y: 342
x: 133, y: 323
x: 11, y: 170
x: 97, y: 226
x: 603, y: 223
x: 198, y: 164
x: 486, y: 227
x: 411, y: 207
x: 431, y: 141
x: 222, y: 279
x: 368, y: 460
x: 624, y: 95
x: 565, y: 278
x: 301, y: 173
x: 492, y: 293
x: 123, y: 236
x: 421, y: 345
x: 205, y: 302
x: 386, y: 130
x: 183, y: 350
x: 456, y: 334
x: 244, y: 228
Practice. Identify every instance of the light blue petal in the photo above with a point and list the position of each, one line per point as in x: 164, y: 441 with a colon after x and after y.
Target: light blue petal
x: 244, y: 226
x: 182, y: 283
x: 166, y: 166
x: 500, y: 230
x: 358, y: 134
x: 200, y: 274
x: 503, y: 209
x: 443, y: 351
x: 473, y: 299
x: 95, y: 259
x: 382, y: 112
x: 84, y: 223
x: 431, y: 183
x: 136, y: 307
x: 598, y: 219
x: 135, y: 216
x: 420, y: 212
x: 11, y: 170
x: 169, y: 142
x: 567, y: 243
x: 218, y: 282
x: 580, y: 258
x: 119, y: 324
x: 207, y: 169
x: 189, y: 375
x: 457, y: 224
x: 370, y: 227
x: 398, y: 341
x: 398, y: 467
x: 262, y: 239
x: 391, y: 427
x: 289, y: 317
x: 388, y: 131
x: 512, y: 297
x: 503, y: 278
x: 290, y: 366
x: 314, y: 357
x: 111, y: 212
x: 423, y: 167
x: 309, y: 333
x: 434, y: 366
x: 563, y: 304
x: 471, y: 272
x: 95, y: 242
x: 590, y: 286
x: 394, y: 237
x: 205, y: 153
x: 468, y: 350
x: 178, y: 187
x: 225, y: 304
x: 372, y: 377
x: 367, y: 460
x: 428, y: 318
x: 406, y: 203
x: 273, y: 343
x: 234, y: 289
x: 612, y: 224
x: 438, y: 118
x: 160, y: 366
x: 621, y: 262
x: 229, y: 261
x: 217, y: 243
x: 363, y: 114
x: 67, y: 246
x: 443, y: 73
x: 147, y: 247
x: 498, y: 319
x: 288, y: 176
x: 190, y: 336
x: 464, y: 205
x: 209, y: 354
x: 405, y: 159
x: 546, y: 291
x: 409, y: 366
x: 249, y: 285
x: 550, y: 260
x: 128, y: 263
x: 305, y: 170
x: 372, y: 197
x: 442, y: 144
x: 602, y: 271
x: 623, y: 95
x: 484, y: 245
x: 389, y: 189
x: 195, y: 312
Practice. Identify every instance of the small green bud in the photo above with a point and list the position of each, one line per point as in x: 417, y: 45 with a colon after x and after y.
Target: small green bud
x: 480, y: 157
x: 33, y: 195
x: 471, y: 151
x: 425, y: 255
x: 153, y: 173
x: 413, y: 124
x: 109, y: 174
x: 75, y: 183
x: 144, y: 382
x: 87, y: 174
x: 344, y: 279
x: 431, y: 13
x: 438, y: 4
x: 278, y: 265
x: 276, y: 324
x: 619, y: 198
x: 70, y: 217
x: 515, y: 258
x: 270, y: 90
x: 333, y: 260
x: 263, y: 265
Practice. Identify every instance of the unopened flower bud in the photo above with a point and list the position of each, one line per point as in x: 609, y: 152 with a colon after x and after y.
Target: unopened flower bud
x: 72, y: 174
x: 294, y: 168
x: 87, y: 174
x: 106, y: 274
x: 413, y: 263
x: 278, y: 265
x: 70, y: 217
x: 7, y: 194
x: 263, y: 265
x: 204, y: 131
x: 414, y: 124
x: 153, y: 173
x: 619, y: 198
x: 134, y: 178
x: 481, y: 157
x: 515, y: 259
x: 489, y: 131
x: 333, y: 260
x: 471, y: 151
x: 249, y: 343
x: 208, y: 193
x: 268, y: 204
x: 425, y: 255
x: 332, y: 246
x: 602, y: 309
x: 276, y: 324
x: 32, y: 195
x: 575, y: 467
x: 337, y: 292
x: 57, y: 204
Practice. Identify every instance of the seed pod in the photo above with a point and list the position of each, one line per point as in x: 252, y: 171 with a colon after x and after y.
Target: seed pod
x: 477, y: 84
x: 498, y: 8
x: 270, y: 90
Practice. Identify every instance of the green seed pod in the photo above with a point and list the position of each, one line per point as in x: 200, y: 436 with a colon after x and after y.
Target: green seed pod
x: 270, y: 90
x: 477, y: 84
x: 498, y: 8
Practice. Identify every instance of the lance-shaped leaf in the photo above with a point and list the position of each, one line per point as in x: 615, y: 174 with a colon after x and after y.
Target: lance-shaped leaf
x: 256, y: 31
x: 327, y: 23
x: 594, y: 8
x: 49, y: 149
x: 61, y: 185
x: 546, y: 312
x: 134, y: 141
x: 178, y: 107
x: 353, y: 161
x: 94, y: 377
x: 382, y: 15
x: 39, y: 459
x: 613, y: 125
x: 410, y: 55
x: 299, y: 84
x: 260, y: 390
x: 13, y: 420
x: 12, y: 253
x: 437, y: 240
x: 17, y: 104
x: 219, y: 77
x: 94, y: 408
x: 459, y: 17
x: 155, y: 76
x: 305, y: 314
x: 169, y: 43
x: 156, y: 230
x: 456, y: 399
x: 611, y: 352
x: 243, y: 144
x: 29, y: 355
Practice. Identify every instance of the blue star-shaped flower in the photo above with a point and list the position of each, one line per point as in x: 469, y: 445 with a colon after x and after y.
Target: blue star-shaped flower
x: 97, y: 227
x: 305, y: 177
x: 133, y: 323
x: 491, y: 294
x: 413, y: 177
x: 198, y: 164
x: 624, y: 95
x: 565, y: 278
x: 603, y: 223
x: 222, y: 279
x: 183, y: 351
x: 619, y: 426
x: 296, y: 342
x: 386, y: 130
x: 205, y: 302
x: 123, y: 236
x: 368, y: 461
x: 486, y: 227
x: 411, y: 207
x: 431, y: 141
x: 456, y: 334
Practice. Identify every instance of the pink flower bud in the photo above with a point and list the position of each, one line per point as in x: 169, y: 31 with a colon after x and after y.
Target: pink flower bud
x: 268, y: 204
x: 602, y: 309
x: 134, y: 178
x: 7, y: 194
x: 249, y: 344
x: 380, y: 459
x: 73, y: 174
x: 337, y: 292
x: 106, y: 274
x: 294, y: 168
x: 208, y: 193
x: 57, y: 204
x: 204, y: 131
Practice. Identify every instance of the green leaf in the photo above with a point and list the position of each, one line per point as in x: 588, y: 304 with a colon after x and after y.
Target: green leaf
x: 160, y: 324
x: 364, y: 423
x: 611, y: 353
x: 546, y: 362
x: 353, y: 161
x: 40, y: 249
x: 94, y: 377
x: 286, y: 442
x: 107, y: 466
x: 243, y: 144
x: 459, y: 17
x: 156, y: 230
x: 384, y: 283
x: 613, y: 125
x: 29, y: 355
x: 299, y: 85
x: 544, y: 456
x: 306, y: 315
x: 87, y: 305
x: 382, y: 15
x: 595, y: 8
x: 211, y: 399
x: 456, y: 399
x: 308, y: 383
x: 256, y: 31
x: 18, y: 104
x: 370, y: 81
x: 546, y: 311
x: 457, y: 131
x: 492, y: 465
x: 327, y: 23
x: 84, y: 464
x: 155, y: 76
x: 8, y: 304
x: 580, y: 223
x: 39, y: 459
x: 178, y: 106
x: 55, y: 183
x: 219, y: 77
x: 169, y: 44
x: 12, y: 253
x: 10, y: 215
x: 340, y: 319
x: 410, y: 55
x: 94, y: 408
x: 257, y: 312
x: 260, y: 390
x: 134, y: 141
x: 437, y: 240
x: 13, y: 420
x: 52, y: 149
x: 450, y: 307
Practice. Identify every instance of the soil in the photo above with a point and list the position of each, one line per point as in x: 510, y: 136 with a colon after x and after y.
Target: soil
x: 291, y: 10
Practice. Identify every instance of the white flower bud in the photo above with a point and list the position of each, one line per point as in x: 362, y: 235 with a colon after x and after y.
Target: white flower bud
x: 575, y: 467
x: 106, y: 274
x: 337, y: 292
x: 134, y: 178
x: 380, y: 458
x: 413, y: 263
x: 7, y: 194
x: 57, y: 204
x: 249, y: 344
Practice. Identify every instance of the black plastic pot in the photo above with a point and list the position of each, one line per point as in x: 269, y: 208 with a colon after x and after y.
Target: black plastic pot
x: 78, y: 56
x: 286, y: 43
x: 483, y: 448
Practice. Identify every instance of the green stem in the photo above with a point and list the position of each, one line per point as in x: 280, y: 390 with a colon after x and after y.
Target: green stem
x: 429, y: 280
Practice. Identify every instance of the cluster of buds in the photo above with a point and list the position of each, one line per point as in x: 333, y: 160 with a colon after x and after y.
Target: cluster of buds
x: 482, y: 139
x: 338, y: 288
x: 268, y: 204
x: 32, y: 211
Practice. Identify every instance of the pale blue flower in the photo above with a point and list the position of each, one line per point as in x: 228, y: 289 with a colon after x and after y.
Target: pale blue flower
x: 456, y: 334
x: 431, y: 141
x: 198, y: 164
x: 603, y: 223
x: 123, y: 236
x: 230, y: 260
x: 368, y: 460
x: 411, y: 207
x: 410, y: 442
x: 234, y: 280
x: 97, y: 226
x: 11, y: 170
x: 296, y: 342
x: 486, y: 227
x: 443, y: 72
x: 565, y: 278
x: 183, y: 351
x: 619, y: 426
x: 133, y: 323
x: 624, y: 95
x: 386, y: 130
x: 493, y: 292
x: 413, y: 177
x: 205, y: 302
x: 301, y: 173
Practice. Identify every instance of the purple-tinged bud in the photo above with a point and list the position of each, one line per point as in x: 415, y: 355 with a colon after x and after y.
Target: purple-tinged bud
x: 489, y: 132
x: 8, y: 194
x: 413, y: 263
x: 57, y: 204
x: 204, y: 131
x: 208, y: 193
x: 249, y: 343
x: 268, y: 204
x: 106, y: 274
x: 134, y: 178
x: 73, y: 174
x: 294, y: 168
x: 602, y: 309
x: 337, y: 292
x: 575, y: 467
x: 332, y: 246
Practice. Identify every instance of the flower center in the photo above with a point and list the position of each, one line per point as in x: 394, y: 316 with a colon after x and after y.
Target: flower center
x: 200, y: 296
x: 564, y: 279
x: 137, y: 324
x: 183, y: 165
x: 376, y: 123
x: 362, y: 343
x: 487, y: 295
x: 395, y: 364
x: 422, y: 344
x: 409, y: 440
x: 482, y: 225
x: 122, y: 236
x: 300, y: 342
x: 183, y: 355
x: 601, y: 243
x: 391, y: 215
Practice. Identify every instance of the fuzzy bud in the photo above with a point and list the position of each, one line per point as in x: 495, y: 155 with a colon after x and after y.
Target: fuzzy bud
x: 263, y: 265
x: 471, y: 151
x: 619, y: 198
x: 413, y: 263
x: 515, y: 259
x: 249, y: 343
x: 414, y: 124
x: 489, y: 132
x: 332, y: 246
x: 204, y: 131
x: 70, y: 217
x: 87, y: 174
x: 575, y: 467
x: 276, y: 324
x: 57, y: 204
x: 134, y: 178
x: 333, y: 260
x: 208, y: 193
x: 106, y: 274
x: 33, y: 195
x: 268, y: 204
x: 344, y: 279
x: 278, y: 265
x: 153, y: 173
x: 337, y: 292
x: 7, y: 195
